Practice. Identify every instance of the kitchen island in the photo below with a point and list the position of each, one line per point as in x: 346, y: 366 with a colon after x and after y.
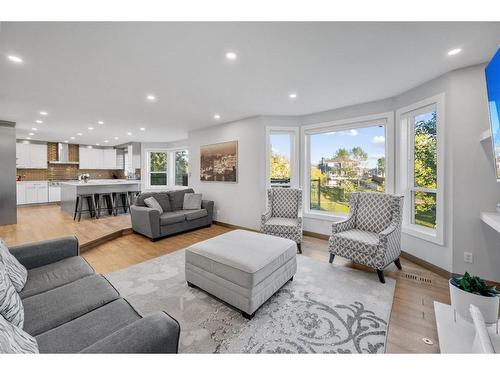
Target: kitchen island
x: 70, y: 190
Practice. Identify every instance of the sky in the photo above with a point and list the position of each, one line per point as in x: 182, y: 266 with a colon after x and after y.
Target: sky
x: 493, y: 84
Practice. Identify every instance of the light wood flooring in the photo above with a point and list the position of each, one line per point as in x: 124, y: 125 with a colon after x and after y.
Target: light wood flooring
x: 412, y: 316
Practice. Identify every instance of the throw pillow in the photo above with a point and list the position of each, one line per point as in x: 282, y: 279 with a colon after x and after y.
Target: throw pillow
x: 16, y: 271
x: 151, y: 202
x: 192, y: 201
x: 14, y: 340
x: 11, y: 307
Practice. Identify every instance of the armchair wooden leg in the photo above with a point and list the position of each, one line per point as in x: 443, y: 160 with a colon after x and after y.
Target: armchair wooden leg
x: 381, y: 277
x: 299, y: 247
x: 397, y: 262
x: 332, y: 256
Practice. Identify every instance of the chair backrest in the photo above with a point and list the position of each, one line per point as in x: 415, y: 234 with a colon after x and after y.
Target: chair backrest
x: 284, y: 202
x: 375, y: 211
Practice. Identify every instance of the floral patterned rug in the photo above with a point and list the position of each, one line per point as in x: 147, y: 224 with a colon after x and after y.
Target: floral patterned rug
x: 325, y: 309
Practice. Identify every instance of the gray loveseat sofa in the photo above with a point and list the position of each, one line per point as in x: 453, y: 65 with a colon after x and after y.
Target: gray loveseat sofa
x: 150, y: 223
x: 69, y: 308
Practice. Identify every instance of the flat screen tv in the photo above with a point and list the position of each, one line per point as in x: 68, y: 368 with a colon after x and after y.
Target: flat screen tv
x: 493, y: 86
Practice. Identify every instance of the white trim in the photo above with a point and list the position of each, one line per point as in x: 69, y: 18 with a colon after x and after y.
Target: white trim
x: 386, y: 119
x: 294, y: 132
x: 436, y: 236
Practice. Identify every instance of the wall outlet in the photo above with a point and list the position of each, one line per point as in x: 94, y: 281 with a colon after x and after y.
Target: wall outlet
x: 468, y: 258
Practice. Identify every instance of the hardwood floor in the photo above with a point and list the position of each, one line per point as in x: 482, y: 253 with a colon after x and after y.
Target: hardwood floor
x: 43, y: 222
x: 412, y: 316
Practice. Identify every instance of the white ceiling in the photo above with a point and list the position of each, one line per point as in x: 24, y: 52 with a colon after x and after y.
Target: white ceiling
x: 84, y: 72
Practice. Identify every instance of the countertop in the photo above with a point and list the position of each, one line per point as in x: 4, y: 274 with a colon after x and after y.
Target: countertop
x: 101, y: 182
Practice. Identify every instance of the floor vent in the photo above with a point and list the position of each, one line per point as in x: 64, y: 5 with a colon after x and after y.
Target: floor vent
x: 416, y: 278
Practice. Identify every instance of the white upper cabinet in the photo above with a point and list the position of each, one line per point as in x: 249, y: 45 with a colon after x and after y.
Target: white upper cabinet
x: 96, y: 158
x: 33, y: 156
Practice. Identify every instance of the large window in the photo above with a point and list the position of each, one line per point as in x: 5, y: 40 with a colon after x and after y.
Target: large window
x: 422, y: 169
x: 157, y: 168
x: 181, y: 167
x: 343, y: 160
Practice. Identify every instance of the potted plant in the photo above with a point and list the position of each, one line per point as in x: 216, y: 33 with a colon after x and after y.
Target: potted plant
x: 466, y: 290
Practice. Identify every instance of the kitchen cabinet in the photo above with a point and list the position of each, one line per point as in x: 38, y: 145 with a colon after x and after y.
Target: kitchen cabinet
x: 96, y: 158
x: 30, y: 192
x: 33, y: 156
x: 21, y: 192
x: 54, y: 193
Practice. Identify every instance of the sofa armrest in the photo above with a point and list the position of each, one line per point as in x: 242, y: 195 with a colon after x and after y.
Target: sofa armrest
x: 37, y: 254
x: 209, y: 206
x: 155, y: 333
x: 343, y: 225
x: 145, y: 220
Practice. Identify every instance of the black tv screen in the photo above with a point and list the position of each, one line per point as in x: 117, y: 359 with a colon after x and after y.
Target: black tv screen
x: 493, y: 86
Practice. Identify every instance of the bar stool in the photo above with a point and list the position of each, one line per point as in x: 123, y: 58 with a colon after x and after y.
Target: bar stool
x: 133, y: 195
x: 78, y: 205
x: 124, y: 200
x: 110, y: 204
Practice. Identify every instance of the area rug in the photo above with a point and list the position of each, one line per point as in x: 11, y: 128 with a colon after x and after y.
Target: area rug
x: 325, y: 309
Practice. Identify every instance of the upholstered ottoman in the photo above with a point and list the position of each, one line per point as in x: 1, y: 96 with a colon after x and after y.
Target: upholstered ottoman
x: 241, y: 268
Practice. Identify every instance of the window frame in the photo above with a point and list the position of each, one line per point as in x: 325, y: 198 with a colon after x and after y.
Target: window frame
x: 386, y: 119
x: 173, y: 153
x: 406, y: 181
x: 148, y: 168
x: 294, y: 133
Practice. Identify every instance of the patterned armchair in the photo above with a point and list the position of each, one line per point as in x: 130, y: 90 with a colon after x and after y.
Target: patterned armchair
x: 283, y: 217
x: 371, y: 234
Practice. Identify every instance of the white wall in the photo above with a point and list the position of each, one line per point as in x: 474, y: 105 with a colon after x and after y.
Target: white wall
x: 239, y: 203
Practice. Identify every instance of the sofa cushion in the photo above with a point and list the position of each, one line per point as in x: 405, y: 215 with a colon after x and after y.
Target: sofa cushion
x: 374, y: 211
x: 16, y: 271
x: 14, y: 340
x: 168, y: 218
x: 42, y: 279
x: 358, y: 240
x: 55, y: 307
x: 11, y: 307
x: 192, y: 201
x: 86, y: 330
x: 151, y: 202
x: 177, y: 198
x: 161, y: 197
x: 195, y: 214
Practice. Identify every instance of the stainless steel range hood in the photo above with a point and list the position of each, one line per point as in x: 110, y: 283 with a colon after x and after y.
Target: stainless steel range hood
x: 62, y: 155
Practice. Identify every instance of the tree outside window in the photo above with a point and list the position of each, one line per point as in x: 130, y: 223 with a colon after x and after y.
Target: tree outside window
x: 181, y: 168
x: 158, y: 168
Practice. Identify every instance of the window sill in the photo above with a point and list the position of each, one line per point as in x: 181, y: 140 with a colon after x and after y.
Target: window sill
x: 425, y: 234
x: 328, y: 217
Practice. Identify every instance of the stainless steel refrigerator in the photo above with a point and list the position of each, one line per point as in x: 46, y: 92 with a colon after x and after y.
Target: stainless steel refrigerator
x: 8, y: 212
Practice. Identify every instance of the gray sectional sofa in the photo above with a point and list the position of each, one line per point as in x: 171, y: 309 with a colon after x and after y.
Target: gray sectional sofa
x: 70, y: 309
x: 150, y: 223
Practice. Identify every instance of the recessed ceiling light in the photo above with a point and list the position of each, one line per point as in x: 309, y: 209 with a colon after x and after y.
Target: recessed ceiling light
x: 151, y: 97
x: 39, y: 121
x: 217, y: 116
x: 90, y: 128
x: 100, y: 122
x: 106, y: 141
x: 28, y: 138
x: 116, y: 138
x: 89, y: 146
x: 97, y: 144
x: 72, y: 137
x: 292, y: 95
x: 15, y: 59
x: 31, y: 133
x: 43, y: 113
x: 129, y: 133
x: 454, y: 51
x: 231, y: 55
x: 34, y: 129
x: 65, y: 141
x: 78, y: 133
x: 142, y: 129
